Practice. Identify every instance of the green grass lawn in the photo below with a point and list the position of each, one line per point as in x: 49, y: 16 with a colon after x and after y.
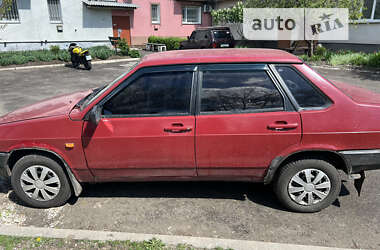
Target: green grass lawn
x: 346, y: 58
x: 55, y: 54
x: 12, y: 242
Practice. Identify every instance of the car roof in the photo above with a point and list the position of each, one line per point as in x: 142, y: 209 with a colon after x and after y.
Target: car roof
x: 213, y: 28
x: 203, y: 56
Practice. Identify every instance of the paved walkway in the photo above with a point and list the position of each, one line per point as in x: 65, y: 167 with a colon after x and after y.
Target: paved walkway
x: 199, y: 242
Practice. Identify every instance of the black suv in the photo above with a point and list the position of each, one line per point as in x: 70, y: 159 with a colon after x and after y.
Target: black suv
x: 209, y: 37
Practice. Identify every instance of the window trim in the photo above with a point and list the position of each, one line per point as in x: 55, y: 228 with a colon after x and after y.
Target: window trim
x: 199, y: 13
x: 7, y: 21
x: 150, y: 70
x: 329, y: 102
x: 372, y: 17
x: 158, y: 13
x: 287, y: 106
x: 60, y: 13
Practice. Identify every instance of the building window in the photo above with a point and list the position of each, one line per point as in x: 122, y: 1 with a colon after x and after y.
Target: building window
x: 155, y: 12
x: 10, y: 14
x: 191, y: 15
x: 371, y: 10
x: 55, y: 13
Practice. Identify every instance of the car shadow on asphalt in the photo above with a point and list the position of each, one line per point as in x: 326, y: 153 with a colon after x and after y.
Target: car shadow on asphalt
x: 255, y: 192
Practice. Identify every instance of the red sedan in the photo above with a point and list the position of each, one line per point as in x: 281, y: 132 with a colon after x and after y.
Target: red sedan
x: 255, y: 115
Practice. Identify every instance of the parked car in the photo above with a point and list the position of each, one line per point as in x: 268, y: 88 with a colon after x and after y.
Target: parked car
x: 255, y: 115
x: 209, y: 37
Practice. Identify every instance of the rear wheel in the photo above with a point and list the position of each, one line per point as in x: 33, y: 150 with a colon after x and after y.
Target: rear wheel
x: 87, y: 65
x: 40, y: 182
x: 308, y: 185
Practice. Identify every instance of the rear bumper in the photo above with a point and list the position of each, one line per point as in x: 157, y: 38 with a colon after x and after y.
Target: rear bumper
x: 4, y: 169
x: 362, y: 160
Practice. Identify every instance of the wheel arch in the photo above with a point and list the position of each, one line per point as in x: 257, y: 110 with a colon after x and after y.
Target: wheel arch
x: 330, y: 156
x: 17, y: 154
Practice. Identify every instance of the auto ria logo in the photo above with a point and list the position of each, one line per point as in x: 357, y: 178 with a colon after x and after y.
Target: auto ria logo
x: 295, y: 23
x: 326, y: 24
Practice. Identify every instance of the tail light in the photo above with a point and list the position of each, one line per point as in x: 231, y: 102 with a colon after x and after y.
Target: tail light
x: 214, y: 45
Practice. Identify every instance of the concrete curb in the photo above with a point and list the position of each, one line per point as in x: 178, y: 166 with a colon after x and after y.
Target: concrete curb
x: 63, y: 64
x: 346, y: 69
x: 199, y: 242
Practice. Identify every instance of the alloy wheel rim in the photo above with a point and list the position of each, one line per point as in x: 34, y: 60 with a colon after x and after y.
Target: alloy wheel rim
x: 40, y: 183
x: 309, y: 187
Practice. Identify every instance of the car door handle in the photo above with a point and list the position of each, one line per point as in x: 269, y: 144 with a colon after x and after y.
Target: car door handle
x: 177, y: 128
x: 282, y: 125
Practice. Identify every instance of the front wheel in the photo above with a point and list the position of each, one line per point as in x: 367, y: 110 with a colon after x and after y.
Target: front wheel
x: 308, y: 185
x: 40, y: 182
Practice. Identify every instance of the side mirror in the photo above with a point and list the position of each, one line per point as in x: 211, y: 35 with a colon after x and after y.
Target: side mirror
x: 95, y: 115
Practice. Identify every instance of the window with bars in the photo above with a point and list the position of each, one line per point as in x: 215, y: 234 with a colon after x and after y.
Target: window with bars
x: 10, y: 14
x: 191, y: 15
x: 155, y: 10
x: 55, y: 13
x: 371, y: 10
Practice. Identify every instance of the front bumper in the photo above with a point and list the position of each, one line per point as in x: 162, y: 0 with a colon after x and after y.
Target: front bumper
x: 362, y: 160
x: 4, y: 169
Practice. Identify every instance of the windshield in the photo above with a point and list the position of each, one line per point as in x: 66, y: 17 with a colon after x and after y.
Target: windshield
x: 220, y: 34
x: 99, y: 91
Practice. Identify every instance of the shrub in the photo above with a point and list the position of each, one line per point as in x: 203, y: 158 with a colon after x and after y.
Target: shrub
x: 101, y: 52
x: 134, y: 53
x: 5, y: 61
x: 349, y: 59
x: 45, y: 56
x: 54, y: 49
x: 64, y: 56
x: 374, y: 59
x: 171, y: 43
x: 123, y: 46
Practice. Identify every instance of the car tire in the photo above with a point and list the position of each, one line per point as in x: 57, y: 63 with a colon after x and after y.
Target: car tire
x: 40, y: 182
x: 87, y: 64
x: 307, y: 185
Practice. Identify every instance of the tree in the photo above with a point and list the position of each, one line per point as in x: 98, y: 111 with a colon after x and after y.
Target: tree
x: 234, y: 15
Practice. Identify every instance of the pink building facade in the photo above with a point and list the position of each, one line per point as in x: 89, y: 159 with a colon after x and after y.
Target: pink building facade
x: 165, y: 18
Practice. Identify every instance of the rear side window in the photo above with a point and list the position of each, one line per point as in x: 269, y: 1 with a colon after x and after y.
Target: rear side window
x: 165, y: 93
x: 306, y: 95
x: 239, y: 91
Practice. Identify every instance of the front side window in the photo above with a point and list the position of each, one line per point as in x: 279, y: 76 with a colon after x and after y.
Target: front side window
x: 239, y: 91
x: 191, y: 15
x: 55, y: 14
x: 9, y: 12
x: 155, y: 12
x: 162, y: 93
x: 305, y: 94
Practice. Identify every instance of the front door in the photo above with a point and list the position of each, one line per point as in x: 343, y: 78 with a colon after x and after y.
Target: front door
x: 121, y: 27
x: 243, y: 121
x: 147, y: 128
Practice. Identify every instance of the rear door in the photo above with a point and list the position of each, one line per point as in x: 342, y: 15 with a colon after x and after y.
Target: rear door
x: 244, y: 121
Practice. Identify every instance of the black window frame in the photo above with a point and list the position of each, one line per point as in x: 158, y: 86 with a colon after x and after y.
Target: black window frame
x: 328, y: 100
x: 150, y: 70
x: 287, y: 105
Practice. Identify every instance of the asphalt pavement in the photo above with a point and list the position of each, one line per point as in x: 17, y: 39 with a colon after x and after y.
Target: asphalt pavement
x: 208, y: 209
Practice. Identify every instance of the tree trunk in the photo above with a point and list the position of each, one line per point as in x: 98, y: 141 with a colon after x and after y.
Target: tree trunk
x: 310, y: 51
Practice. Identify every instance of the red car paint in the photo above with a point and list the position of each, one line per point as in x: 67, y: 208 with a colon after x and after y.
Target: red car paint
x: 236, y: 146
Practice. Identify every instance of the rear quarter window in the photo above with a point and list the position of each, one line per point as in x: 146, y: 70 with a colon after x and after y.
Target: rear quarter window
x: 306, y: 94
